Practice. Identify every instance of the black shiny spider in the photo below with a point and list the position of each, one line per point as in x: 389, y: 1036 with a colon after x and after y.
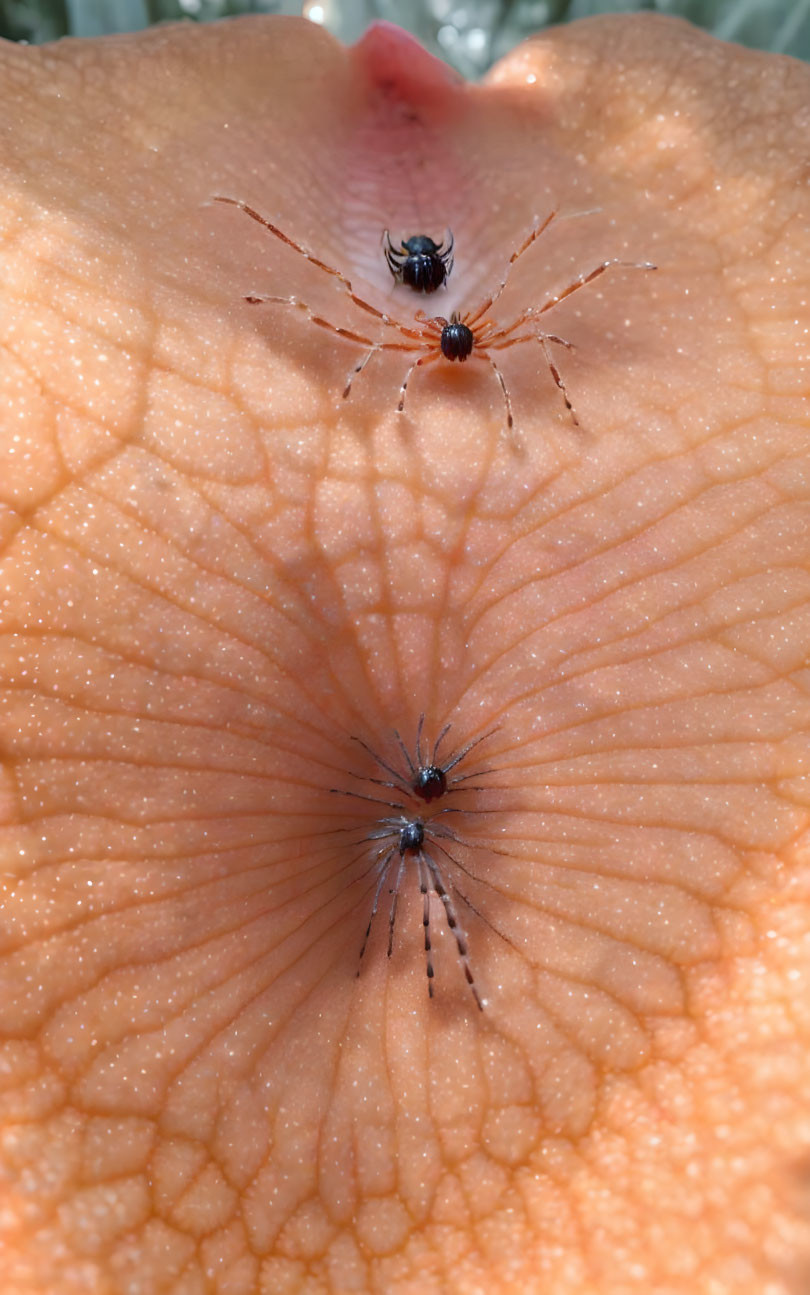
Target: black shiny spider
x: 419, y: 262
x: 424, y: 776
x: 457, y: 338
x: 410, y: 837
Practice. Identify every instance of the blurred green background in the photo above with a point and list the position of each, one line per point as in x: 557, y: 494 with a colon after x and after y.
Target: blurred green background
x: 468, y: 34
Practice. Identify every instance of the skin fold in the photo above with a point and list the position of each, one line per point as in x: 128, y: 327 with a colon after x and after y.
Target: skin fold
x: 224, y: 588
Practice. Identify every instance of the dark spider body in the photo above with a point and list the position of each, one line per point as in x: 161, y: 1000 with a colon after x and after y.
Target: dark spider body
x: 456, y: 340
x: 411, y: 836
x: 430, y: 783
x: 420, y: 263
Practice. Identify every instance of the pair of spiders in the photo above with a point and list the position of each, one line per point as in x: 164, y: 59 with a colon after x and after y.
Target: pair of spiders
x: 419, y: 838
x: 459, y: 338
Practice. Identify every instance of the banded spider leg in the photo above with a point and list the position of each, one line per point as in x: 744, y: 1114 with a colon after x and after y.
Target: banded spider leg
x: 410, y: 837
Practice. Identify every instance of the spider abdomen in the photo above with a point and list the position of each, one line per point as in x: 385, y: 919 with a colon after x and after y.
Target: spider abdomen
x: 430, y: 782
x: 423, y: 274
x: 456, y: 341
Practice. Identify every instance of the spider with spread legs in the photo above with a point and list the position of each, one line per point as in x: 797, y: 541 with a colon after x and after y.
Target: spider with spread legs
x: 457, y: 338
x: 424, y: 776
x: 419, y: 262
x: 409, y: 837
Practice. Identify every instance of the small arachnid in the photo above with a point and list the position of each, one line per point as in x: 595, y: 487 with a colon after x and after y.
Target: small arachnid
x: 424, y: 776
x: 409, y: 839
x: 459, y: 338
x: 420, y: 263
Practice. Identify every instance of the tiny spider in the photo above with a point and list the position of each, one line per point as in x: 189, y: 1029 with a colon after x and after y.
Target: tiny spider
x: 410, y: 837
x: 424, y: 776
x: 457, y: 338
x: 419, y: 262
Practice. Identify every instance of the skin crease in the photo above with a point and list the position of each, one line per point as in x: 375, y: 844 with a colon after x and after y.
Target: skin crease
x: 216, y: 574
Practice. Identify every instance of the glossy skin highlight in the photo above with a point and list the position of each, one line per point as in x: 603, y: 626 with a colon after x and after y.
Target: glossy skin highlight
x: 216, y: 574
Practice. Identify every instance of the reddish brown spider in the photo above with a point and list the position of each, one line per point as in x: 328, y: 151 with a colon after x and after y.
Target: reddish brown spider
x: 457, y: 338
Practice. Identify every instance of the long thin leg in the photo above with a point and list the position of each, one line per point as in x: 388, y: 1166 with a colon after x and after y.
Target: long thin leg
x: 255, y: 300
x: 408, y: 761
x: 372, y: 351
x: 392, y: 916
x: 544, y: 339
x: 316, y: 319
x: 453, y: 923
x: 424, y: 359
x: 589, y: 278
x: 447, y: 252
x: 425, y: 889
x: 483, y: 355
x: 420, y: 725
x: 454, y: 760
x: 377, y: 892
x: 535, y: 233
x: 437, y: 744
x: 557, y: 376
x: 374, y: 800
x: 313, y: 260
x: 400, y: 785
x: 348, y: 333
x: 392, y: 256
x: 358, y: 368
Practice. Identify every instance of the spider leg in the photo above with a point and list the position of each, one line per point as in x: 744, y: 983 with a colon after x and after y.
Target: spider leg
x: 543, y: 339
x: 377, y: 892
x: 557, y: 376
x: 454, y: 760
x: 423, y: 359
x: 348, y: 333
x: 392, y: 255
x: 589, y: 278
x: 535, y: 233
x: 440, y: 829
x: 448, y: 252
x: 436, y: 746
x: 392, y: 916
x: 425, y: 891
x: 483, y: 355
x: 373, y: 349
x: 383, y: 765
x: 389, y: 246
x: 419, y: 728
x: 358, y: 368
x: 344, y: 282
x: 381, y: 782
x: 406, y: 757
x: 374, y: 800
x: 416, y: 334
x: 453, y: 924
x: 457, y: 862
